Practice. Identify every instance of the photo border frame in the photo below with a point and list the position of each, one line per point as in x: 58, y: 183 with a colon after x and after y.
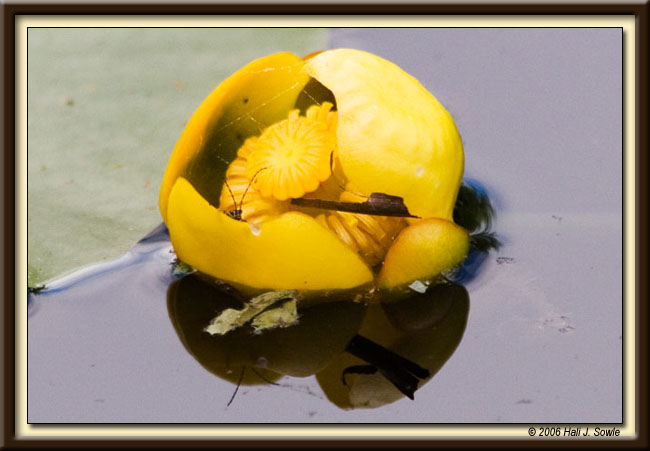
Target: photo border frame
x: 12, y: 13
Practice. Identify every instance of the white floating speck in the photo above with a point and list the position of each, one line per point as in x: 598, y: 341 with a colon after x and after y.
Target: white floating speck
x: 419, y: 171
x: 418, y: 286
x: 256, y: 229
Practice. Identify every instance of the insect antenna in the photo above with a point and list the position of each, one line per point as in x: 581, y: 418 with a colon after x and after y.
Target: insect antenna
x: 241, y: 202
x: 234, y: 202
x: 261, y: 376
x: 241, y: 377
x: 337, y: 180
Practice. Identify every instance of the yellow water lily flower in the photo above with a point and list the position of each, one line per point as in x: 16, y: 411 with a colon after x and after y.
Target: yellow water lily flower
x: 277, y: 180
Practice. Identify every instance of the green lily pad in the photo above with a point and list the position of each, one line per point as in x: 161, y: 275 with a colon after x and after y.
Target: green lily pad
x: 105, y: 108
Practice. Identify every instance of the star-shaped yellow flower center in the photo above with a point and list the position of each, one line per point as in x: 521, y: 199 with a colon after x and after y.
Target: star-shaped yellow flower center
x: 291, y: 157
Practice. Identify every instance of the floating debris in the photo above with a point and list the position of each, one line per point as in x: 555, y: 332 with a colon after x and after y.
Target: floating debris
x: 283, y: 316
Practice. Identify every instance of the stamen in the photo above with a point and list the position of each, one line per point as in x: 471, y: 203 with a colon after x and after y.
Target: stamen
x: 322, y: 113
x: 370, y: 236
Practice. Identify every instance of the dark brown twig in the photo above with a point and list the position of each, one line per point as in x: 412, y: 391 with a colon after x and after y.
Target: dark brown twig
x: 378, y: 204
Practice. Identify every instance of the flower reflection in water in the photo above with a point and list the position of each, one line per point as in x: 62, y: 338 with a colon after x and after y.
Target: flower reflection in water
x: 362, y: 356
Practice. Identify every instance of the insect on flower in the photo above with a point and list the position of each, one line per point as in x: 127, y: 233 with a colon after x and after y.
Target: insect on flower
x: 236, y: 213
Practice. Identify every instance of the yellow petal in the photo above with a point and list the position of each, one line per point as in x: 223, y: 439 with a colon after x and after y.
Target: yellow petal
x: 291, y: 251
x: 251, y: 99
x: 422, y: 251
x: 394, y: 137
